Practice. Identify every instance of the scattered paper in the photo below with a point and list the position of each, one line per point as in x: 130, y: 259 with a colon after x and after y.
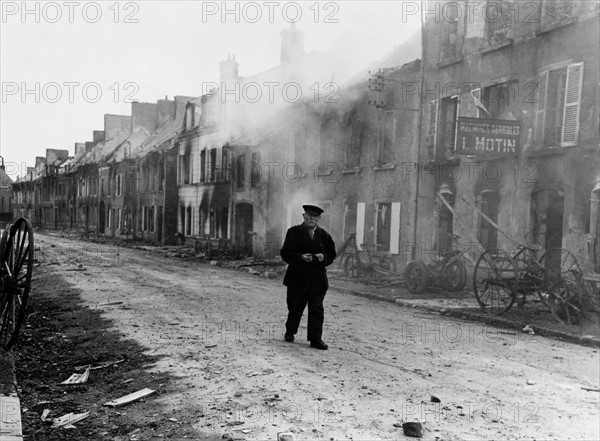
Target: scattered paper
x: 78, y: 378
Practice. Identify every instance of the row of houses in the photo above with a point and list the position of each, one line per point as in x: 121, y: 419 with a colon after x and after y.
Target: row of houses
x: 500, y: 114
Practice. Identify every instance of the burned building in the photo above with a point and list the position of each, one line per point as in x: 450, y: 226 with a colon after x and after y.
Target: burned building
x: 510, y: 126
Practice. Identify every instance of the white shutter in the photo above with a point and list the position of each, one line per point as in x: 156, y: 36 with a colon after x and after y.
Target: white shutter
x: 395, y: 228
x: 474, y: 110
x: 570, y: 129
x: 360, y: 223
x: 540, y: 111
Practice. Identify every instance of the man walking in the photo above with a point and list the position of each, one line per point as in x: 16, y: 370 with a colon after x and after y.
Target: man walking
x: 307, y: 249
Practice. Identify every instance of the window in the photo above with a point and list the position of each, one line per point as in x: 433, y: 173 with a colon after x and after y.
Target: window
x: 151, y: 219
x: 184, y: 169
x: 188, y: 221
x: 349, y: 220
x: 226, y: 156
x: 255, y: 171
x: 449, y: 34
x: 388, y: 139
x: 119, y: 219
x: 240, y: 171
x: 448, y: 118
x: 203, y: 166
x: 383, y: 217
x: 557, y: 107
x: 161, y: 175
x: 213, y: 165
x: 354, y: 143
x: 488, y: 202
x: 498, y: 20
x: 496, y: 100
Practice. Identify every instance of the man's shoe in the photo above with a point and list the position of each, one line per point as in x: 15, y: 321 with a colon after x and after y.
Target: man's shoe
x: 289, y: 337
x: 319, y: 344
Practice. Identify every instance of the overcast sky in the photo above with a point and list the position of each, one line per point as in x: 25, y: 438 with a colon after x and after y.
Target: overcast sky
x: 65, y: 64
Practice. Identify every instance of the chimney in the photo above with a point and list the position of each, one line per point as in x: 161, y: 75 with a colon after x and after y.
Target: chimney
x: 79, y: 149
x: 115, y: 125
x: 143, y: 115
x: 292, y: 45
x: 166, y: 111
x: 98, y: 136
x: 53, y: 154
x: 229, y: 70
x: 39, y: 160
x: 89, y: 145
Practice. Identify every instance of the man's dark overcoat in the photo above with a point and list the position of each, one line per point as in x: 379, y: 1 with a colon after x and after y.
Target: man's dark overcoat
x: 307, y: 275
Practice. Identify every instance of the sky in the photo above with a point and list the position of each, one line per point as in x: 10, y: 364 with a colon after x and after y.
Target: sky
x: 65, y: 64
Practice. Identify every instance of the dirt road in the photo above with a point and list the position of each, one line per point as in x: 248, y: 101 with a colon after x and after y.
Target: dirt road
x: 219, y: 332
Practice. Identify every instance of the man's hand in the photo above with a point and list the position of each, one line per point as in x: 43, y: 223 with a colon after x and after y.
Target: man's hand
x: 320, y: 257
x: 307, y: 257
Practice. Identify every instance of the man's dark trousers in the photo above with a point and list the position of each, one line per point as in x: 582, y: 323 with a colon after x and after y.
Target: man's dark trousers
x: 297, y: 299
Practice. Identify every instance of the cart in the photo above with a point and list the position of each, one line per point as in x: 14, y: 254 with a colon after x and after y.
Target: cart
x: 16, y: 265
x: 501, y: 279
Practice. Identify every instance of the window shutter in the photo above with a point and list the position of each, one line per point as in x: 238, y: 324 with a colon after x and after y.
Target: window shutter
x: 433, y: 123
x: 395, y: 228
x: 570, y: 130
x: 540, y: 110
x: 474, y: 111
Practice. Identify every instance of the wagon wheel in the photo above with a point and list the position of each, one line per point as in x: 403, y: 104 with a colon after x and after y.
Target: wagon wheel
x: 561, y: 264
x: 416, y: 276
x: 494, y: 282
x: 566, y: 301
x: 15, y: 281
x: 352, y: 267
x: 454, y: 276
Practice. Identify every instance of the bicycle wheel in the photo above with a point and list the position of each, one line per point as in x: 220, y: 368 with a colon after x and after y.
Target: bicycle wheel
x: 416, y: 276
x: 454, y: 276
x: 15, y: 281
x: 494, y: 282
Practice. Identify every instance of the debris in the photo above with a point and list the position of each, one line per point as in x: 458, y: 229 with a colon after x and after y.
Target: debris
x: 528, y: 329
x: 175, y: 420
x: 252, y: 374
x: 210, y: 346
x: 101, y: 365
x: 110, y: 304
x: 413, y: 428
x: 129, y: 380
x: 130, y: 398
x: 435, y: 399
x: 45, y: 414
x: 68, y: 420
x: 530, y: 382
x: 78, y: 378
x: 590, y: 390
x: 286, y: 436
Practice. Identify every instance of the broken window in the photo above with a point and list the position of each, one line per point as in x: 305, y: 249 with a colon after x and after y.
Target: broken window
x: 557, y: 106
x: 349, y: 219
x: 188, y: 221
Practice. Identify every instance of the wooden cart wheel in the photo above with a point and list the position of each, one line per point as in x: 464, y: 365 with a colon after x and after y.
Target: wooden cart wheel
x: 15, y: 281
x: 454, y: 276
x: 494, y: 282
x: 416, y: 276
x: 561, y: 264
x: 352, y: 267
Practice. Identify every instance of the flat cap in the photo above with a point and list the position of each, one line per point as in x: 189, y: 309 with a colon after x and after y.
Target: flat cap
x: 312, y: 209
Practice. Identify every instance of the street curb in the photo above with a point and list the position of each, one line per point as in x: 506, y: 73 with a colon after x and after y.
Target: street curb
x: 491, y: 320
x: 10, y: 406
